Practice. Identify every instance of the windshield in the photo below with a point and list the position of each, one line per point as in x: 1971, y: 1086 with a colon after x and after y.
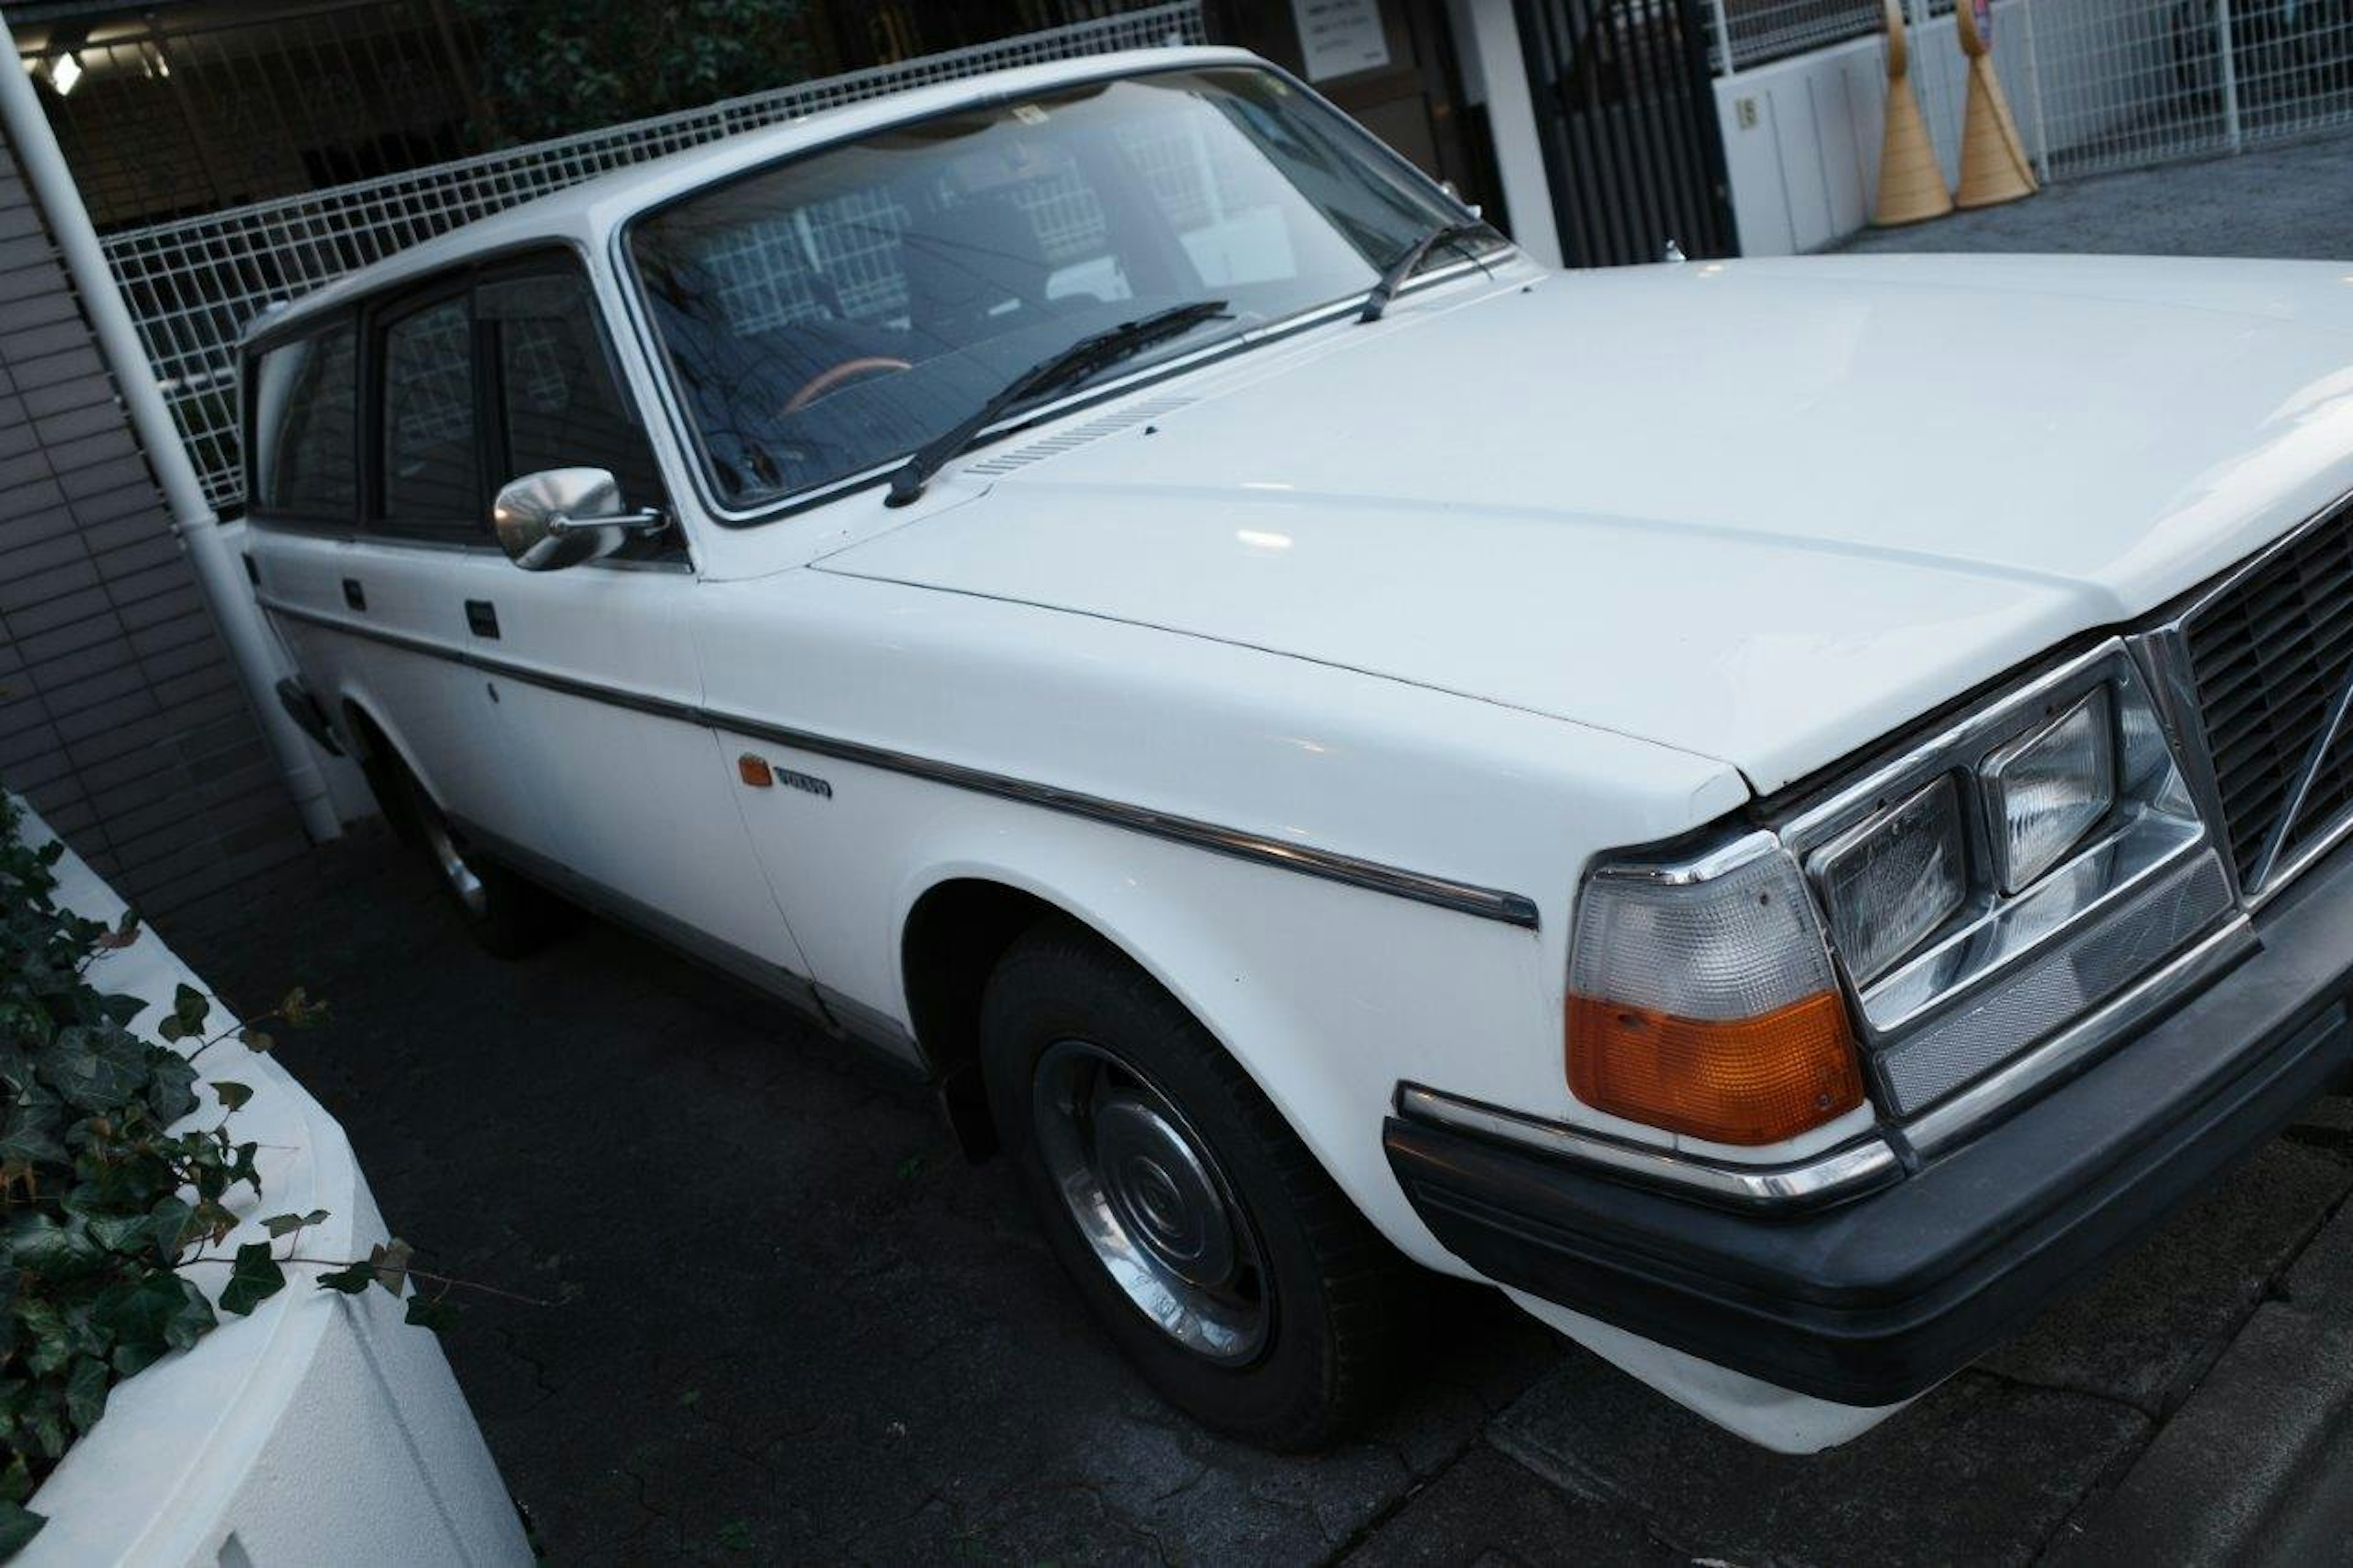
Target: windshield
x: 835, y: 313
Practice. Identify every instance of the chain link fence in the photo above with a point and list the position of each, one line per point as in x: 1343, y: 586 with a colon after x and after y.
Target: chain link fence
x: 193, y: 285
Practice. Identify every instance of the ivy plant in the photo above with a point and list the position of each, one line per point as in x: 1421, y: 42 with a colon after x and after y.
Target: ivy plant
x: 117, y: 1162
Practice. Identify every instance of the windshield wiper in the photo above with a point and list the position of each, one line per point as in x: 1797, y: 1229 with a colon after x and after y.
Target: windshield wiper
x: 1410, y: 261
x: 1083, y: 358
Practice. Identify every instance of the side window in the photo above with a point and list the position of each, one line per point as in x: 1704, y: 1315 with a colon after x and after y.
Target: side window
x: 555, y: 394
x: 305, y: 424
x: 432, y: 483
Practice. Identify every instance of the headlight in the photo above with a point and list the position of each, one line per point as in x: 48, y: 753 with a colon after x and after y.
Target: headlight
x: 1972, y: 895
x: 2045, y: 790
x: 1892, y: 880
x: 2084, y: 865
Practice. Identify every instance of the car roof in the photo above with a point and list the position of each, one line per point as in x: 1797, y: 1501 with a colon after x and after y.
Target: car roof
x: 584, y: 213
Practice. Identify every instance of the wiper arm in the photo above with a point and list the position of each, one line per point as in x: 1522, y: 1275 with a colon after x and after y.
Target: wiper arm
x: 1083, y: 358
x: 1410, y: 261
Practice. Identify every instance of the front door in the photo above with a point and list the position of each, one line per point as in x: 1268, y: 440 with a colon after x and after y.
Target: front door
x: 592, y: 671
x: 424, y: 552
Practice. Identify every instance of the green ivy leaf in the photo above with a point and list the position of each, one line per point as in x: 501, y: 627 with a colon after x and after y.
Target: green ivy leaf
x: 94, y: 1070
x: 390, y: 1260
x: 86, y: 1393
x: 30, y: 1132
x: 131, y: 1234
x: 428, y: 1312
x: 253, y: 1278
x: 53, y: 1339
x: 190, y: 1008
x: 18, y: 1525
x: 121, y: 1010
x: 16, y: 1480
x: 351, y: 1279
x: 170, y: 1087
x: 168, y: 1222
x: 283, y: 1224
x: 155, y: 1313
x: 233, y: 1096
x: 299, y: 1012
x: 211, y: 1219
x: 41, y: 1245
x: 46, y: 1421
x: 256, y: 1041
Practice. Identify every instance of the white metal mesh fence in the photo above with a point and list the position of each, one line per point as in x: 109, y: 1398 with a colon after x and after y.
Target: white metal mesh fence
x: 193, y: 285
x: 1748, y: 33
x: 2098, y: 85
x: 2125, y: 82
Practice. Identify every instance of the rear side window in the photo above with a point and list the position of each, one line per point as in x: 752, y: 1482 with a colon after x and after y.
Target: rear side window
x: 432, y: 477
x: 305, y: 423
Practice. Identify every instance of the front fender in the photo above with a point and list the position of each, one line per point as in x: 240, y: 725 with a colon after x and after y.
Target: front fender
x: 1301, y: 981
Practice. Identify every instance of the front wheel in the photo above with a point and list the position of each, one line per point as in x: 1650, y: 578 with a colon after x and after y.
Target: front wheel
x: 1203, y: 1235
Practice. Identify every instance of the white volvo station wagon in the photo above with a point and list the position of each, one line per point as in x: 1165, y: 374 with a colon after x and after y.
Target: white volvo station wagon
x: 1782, y: 813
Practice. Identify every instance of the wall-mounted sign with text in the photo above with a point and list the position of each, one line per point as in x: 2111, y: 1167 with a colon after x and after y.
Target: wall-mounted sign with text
x: 1340, y: 38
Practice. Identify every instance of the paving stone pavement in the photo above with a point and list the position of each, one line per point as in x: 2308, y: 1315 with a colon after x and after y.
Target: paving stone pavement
x: 2285, y: 201
x: 787, y: 1322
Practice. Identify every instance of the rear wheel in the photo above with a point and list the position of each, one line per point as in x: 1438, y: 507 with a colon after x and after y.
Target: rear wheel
x: 508, y: 915
x: 1203, y: 1235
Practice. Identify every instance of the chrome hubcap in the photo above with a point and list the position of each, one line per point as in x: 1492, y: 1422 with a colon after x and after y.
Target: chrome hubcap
x: 454, y: 870
x: 1149, y: 1198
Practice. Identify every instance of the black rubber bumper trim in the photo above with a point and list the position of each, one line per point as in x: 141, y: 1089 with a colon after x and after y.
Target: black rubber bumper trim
x: 1878, y: 1299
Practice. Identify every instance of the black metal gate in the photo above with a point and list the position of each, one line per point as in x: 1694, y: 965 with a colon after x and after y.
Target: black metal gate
x: 1626, y: 110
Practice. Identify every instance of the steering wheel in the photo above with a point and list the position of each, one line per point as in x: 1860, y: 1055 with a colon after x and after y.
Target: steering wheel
x: 849, y: 370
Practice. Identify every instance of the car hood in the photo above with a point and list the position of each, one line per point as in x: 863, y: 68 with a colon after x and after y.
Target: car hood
x: 1762, y: 511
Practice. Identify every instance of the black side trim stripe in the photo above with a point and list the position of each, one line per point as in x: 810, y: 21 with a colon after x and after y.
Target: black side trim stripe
x: 1464, y: 897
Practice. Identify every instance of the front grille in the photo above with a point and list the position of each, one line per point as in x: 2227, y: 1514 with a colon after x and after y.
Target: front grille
x: 2271, y: 658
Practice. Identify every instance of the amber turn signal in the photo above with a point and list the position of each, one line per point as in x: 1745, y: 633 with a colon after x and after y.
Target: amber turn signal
x: 755, y: 772
x: 1743, y: 1080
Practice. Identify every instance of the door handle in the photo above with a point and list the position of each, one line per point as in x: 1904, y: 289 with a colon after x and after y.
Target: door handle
x: 482, y: 617
x: 354, y: 595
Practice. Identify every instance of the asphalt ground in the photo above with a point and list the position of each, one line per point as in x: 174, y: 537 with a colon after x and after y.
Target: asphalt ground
x: 784, y: 1320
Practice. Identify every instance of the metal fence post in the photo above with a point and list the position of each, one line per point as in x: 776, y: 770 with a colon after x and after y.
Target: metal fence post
x: 2228, y: 59
x: 1725, y: 64
x: 2034, y: 97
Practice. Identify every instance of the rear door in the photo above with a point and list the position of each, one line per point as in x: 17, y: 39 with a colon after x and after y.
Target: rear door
x: 364, y: 494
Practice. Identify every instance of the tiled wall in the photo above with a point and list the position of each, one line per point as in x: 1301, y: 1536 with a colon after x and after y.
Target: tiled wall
x: 121, y: 718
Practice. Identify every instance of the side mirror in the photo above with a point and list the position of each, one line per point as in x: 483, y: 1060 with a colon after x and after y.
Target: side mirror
x: 562, y: 517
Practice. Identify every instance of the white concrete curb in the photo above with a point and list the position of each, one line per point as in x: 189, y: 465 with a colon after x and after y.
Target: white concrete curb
x: 320, y: 1429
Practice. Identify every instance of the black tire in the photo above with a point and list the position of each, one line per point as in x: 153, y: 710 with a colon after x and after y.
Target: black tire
x: 508, y: 915
x: 1341, y: 1305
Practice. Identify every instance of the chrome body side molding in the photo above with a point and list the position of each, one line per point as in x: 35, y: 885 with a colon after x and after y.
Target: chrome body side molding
x: 1442, y: 892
